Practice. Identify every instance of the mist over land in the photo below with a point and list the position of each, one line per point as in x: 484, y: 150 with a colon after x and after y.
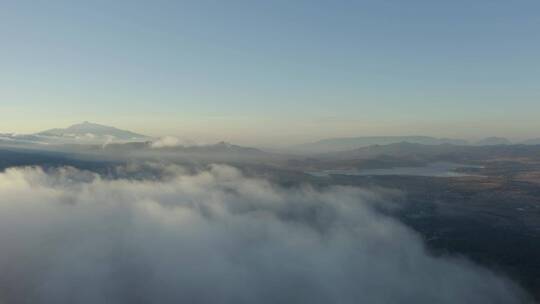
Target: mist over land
x: 89, y: 240
x: 269, y: 152
x: 95, y: 214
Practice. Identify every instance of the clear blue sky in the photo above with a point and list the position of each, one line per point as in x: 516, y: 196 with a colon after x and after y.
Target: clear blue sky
x: 264, y: 71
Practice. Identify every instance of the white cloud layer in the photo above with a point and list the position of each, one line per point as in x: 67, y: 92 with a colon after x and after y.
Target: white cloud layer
x: 166, y: 141
x: 215, y: 237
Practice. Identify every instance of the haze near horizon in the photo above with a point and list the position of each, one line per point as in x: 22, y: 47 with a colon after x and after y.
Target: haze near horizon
x: 260, y: 73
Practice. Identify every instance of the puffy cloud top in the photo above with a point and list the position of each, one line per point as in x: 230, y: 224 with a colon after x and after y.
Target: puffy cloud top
x: 216, y: 236
x: 166, y: 141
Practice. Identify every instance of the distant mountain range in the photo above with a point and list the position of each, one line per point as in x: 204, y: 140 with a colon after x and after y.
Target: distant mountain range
x: 83, y: 133
x: 492, y: 141
x: 349, y: 143
x: 92, y: 134
x: 94, y: 139
x: 88, y: 131
x: 533, y: 141
x: 221, y: 151
x: 435, y: 152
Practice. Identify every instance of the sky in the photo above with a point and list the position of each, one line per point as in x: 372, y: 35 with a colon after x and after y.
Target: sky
x: 263, y: 72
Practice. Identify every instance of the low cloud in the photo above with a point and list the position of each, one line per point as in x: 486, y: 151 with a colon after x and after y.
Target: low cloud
x: 166, y: 141
x: 216, y: 236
